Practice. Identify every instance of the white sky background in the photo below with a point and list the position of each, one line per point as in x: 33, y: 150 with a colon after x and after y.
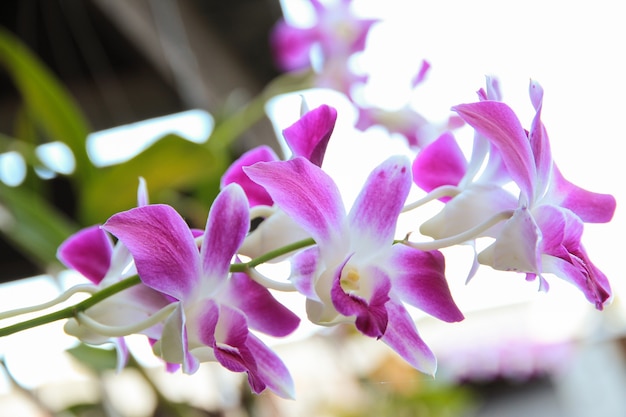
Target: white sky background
x: 574, y: 49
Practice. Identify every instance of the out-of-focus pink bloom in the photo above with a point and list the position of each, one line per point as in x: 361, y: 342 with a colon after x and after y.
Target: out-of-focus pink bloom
x: 326, y: 46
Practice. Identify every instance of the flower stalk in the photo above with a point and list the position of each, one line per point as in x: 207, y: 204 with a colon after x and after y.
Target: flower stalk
x: 97, y: 297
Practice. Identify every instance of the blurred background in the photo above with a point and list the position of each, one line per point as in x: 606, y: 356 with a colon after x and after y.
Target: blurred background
x: 102, y: 64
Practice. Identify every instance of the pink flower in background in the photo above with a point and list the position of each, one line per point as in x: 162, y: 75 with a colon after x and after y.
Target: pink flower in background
x: 326, y: 46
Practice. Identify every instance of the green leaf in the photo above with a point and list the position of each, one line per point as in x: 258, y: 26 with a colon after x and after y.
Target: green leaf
x: 172, y: 163
x: 46, y: 99
x: 33, y: 225
x: 96, y: 359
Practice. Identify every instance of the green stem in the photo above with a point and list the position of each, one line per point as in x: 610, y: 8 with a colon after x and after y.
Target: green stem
x: 71, y: 311
x: 243, y: 267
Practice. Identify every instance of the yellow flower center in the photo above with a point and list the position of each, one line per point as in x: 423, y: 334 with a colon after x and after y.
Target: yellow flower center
x: 350, y: 279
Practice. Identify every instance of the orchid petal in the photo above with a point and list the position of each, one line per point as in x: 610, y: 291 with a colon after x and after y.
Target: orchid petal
x: 231, y: 328
x: 421, y: 74
x: 402, y: 336
x: 121, y: 349
x: 309, y: 136
x: 375, y: 212
x: 440, y: 163
x: 371, y: 314
x: 419, y: 279
x: 305, y: 192
x: 227, y: 226
x: 565, y: 256
x: 303, y: 267
x: 122, y: 265
x: 230, y: 346
x: 163, y: 247
x: 256, y: 194
x: 472, y: 207
x: 89, y: 252
x: 498, y: 123
x: 589, y: 206
x: 270, y: 369
x: 263, y: 311
x: 517, y: 247
x: 205, y: 322
x: 174, y: 343
x: 535, y: 91
x: 494, y: 92
x: 539, y: 142
x: 142, y: 193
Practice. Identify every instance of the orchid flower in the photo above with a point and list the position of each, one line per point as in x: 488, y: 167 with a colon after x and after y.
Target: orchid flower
x: 307, y: 137
x: 214, y: 308
x: 355, y: 273
x: 543, y: 227
x: 544, y: 234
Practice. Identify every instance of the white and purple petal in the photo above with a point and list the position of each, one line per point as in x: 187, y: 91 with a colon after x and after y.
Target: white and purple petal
x: 270, y: 369
x: 374, y: 214
x: 174, y: 342
x: 589, y: 206
x: 474, y: 206
x: 305, y: 192
x: 517, y: 247
x: 227, y: 225
x: 498, y: 123
x: 163, y: 247
x: 303, y: 269
x: 402, y: 336
x: 263, y: 312
x: 369, y: 309
x: 419, y: 279
x: 565, y: 256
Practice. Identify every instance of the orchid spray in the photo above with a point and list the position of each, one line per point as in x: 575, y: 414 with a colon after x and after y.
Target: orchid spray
x: 199, y: 295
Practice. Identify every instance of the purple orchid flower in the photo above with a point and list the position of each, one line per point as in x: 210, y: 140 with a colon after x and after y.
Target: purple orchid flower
x: 543, y: 235
x: 307, y: 137
x: 215, y: 309
x: 355, y: 273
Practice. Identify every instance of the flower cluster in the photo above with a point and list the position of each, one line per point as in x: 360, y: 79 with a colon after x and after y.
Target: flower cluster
x: 197, y: 296
x: 198, y: 301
